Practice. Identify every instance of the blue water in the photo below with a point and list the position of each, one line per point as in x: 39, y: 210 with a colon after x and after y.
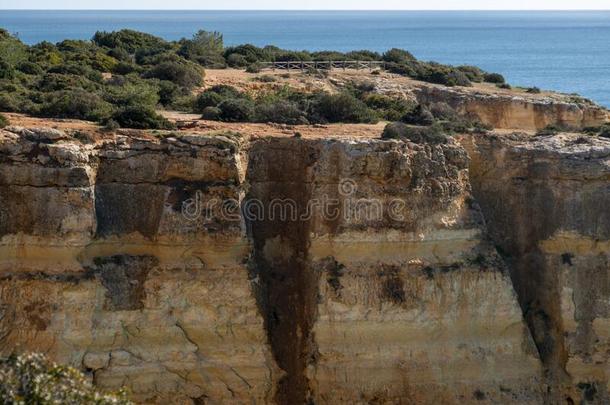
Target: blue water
x: 565, y: 51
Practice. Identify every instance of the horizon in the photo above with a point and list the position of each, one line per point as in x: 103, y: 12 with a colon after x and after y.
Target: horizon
x: 317, y: 9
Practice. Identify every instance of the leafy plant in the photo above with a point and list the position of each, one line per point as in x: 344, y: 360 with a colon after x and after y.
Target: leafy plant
x: 32, y: 379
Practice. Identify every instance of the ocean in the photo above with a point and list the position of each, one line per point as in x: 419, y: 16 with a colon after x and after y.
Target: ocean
x: 558, y: 50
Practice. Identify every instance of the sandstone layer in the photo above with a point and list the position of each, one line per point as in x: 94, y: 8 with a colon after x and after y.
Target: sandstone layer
x: 146, y: 261
x: 546, y: 202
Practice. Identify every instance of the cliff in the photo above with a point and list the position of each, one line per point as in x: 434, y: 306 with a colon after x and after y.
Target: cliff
x: 144, y: 278
x: 259, y: 263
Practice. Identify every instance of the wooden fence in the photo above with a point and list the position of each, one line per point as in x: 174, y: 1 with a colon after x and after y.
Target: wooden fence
x: 330, y: 64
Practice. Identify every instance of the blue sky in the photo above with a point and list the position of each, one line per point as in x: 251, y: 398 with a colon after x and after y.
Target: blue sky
x: 310, y: 4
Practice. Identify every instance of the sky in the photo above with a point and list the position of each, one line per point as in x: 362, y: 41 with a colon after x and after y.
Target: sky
x: 310, y: 4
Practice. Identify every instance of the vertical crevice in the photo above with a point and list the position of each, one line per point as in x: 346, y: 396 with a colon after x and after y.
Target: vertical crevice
x: 521, y: 211
x: 279, y: 176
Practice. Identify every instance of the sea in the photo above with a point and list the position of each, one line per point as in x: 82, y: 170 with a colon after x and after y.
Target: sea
x: 567, y: 51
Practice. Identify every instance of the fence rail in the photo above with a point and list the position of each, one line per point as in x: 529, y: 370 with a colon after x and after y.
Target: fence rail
x: 326, y: 64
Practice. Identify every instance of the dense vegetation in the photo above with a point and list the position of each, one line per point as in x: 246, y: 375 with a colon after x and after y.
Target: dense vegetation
x: 32, y: 379
x: 289, y: 106
x: 432, y: 124
x: 120, y: 78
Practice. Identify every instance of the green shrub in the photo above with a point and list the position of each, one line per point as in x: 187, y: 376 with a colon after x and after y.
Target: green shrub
x: 473, y: 73
x: 4, y: 121
x: 205, y: 48
x: 533, y: 90
x: 111, y: 125
x: 133, y: 93
x: 29, y: 68
x: 431, y: 134
x: 226, y: 91
x: 265, y: 79
x: 124, y: 68
x: 494, y: 78
x: 32, y: 379
x: 211, y: 113
x: 129, y: 40
x: 183, y: 75
x: 388, y: 108
x: 420, y: 115
x: 6, y: 70
x: 281, y: 111
x: 236, y: 110
x: 237, y: 60
x: 208, y: 99
x: 343, y: 107
x: 503, y: 86
x: 76, y: 103
x: 255, y: 67
x: 140, y: 117
x: 398, y: 56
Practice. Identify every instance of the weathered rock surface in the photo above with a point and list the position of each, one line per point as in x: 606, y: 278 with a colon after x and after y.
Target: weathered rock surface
x: 546, y: 201
x: 213, y: 268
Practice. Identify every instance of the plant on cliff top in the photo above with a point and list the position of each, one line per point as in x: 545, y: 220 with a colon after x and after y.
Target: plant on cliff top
x: 32, y: 379
x: 4, y: 121
x: 431, y: 134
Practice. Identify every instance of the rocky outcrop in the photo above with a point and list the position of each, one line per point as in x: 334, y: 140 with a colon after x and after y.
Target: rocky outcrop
x: 502, y: 108
x: 517, y: 111
x: 546, y: 203
x: 103, y: 269
x: 212, y: 268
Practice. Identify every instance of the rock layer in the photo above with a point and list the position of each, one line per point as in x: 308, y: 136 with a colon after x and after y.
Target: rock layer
x: 545, y: 200
x: 213, y: 268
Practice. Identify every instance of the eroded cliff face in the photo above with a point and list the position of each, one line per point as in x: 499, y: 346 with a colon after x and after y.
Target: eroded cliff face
x: 512, y: 111
x: 366, y: 277
x: 546, y: 203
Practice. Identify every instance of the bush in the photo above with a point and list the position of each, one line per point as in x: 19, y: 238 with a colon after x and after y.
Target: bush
x: 281, y: 111
x: 388, y: 108
x: 343, y: 107
x: 420, y: 115
x: 4, y: 121
x: 129, y: 40
x: 533, y: 90
x: 207, y: 99
x: 32, y: 379
x: 205, y: 48
x: 399, y: 56
x: 140, y: 117
x: 398, y: 130
x: 265, y: 79
x: 494, y: 78
x: 6, y: 70
x: 111, y: 125
x: 254, y: 67
x: 183, y: 75
x: 236, y: 110
x: 236, y: 60
x: 503, y: 86
x: 76, y: 103
x: 29, y: 68
x: 211, y: 113
x: 473, y: 73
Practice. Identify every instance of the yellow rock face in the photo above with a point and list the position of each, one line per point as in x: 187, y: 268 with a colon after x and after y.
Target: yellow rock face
x: 545, y: 202
x: 216, y: 269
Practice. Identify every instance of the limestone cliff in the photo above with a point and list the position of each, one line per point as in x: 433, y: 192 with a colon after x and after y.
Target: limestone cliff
x: 217, y: 268
x: 546, y: 203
